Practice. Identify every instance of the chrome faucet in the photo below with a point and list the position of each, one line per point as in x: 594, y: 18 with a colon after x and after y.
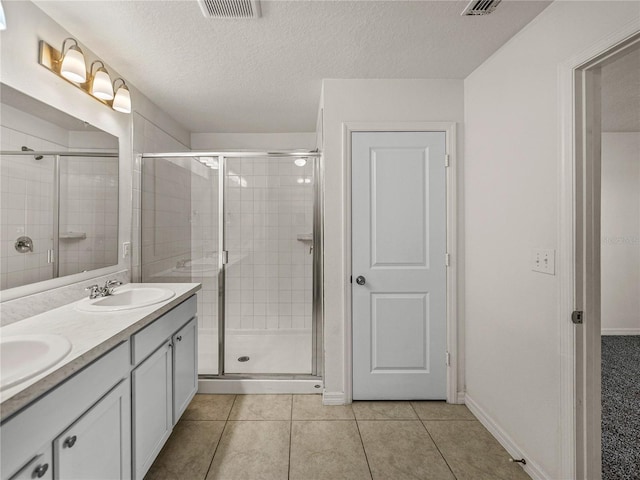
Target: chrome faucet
x: 109, y: 286
x: 95, y: 291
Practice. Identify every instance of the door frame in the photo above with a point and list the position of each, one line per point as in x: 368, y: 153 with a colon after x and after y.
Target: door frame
x: 579, y: 267
x: 449, y: 128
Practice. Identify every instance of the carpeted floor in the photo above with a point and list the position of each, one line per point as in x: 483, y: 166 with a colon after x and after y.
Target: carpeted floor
x: 621, y: 407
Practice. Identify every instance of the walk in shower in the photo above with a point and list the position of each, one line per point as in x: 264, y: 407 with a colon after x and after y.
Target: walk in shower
x: 58, y: 214
x: 247, y: 226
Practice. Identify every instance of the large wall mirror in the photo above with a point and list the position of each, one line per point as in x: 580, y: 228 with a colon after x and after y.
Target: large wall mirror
x: 59, y: 193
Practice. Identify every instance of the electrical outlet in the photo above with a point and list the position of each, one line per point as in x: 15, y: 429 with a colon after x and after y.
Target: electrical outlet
x: 126, y: 249
x: 543, y: 261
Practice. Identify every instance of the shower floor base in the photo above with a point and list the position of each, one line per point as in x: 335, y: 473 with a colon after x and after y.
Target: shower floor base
x: 261, y: 352
x: 282, y: 385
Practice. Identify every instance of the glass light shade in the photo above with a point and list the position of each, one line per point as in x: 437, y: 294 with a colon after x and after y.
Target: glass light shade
x: 101, y: 85
x: 122, y: 100
x: 73, y: 67
x: 3, y: 19
x: 300, y: 162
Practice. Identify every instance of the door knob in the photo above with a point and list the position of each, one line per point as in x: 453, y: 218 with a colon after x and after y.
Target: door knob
x: 361, y: 280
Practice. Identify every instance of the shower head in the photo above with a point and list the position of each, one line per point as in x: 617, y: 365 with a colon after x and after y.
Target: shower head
x: 27, y: 149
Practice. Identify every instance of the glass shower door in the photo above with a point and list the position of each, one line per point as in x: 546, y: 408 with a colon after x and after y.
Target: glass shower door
x: 268, y: 227
x: 180, y: 237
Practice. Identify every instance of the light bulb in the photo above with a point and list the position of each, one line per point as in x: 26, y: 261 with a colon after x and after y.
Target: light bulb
x: 300, y: 162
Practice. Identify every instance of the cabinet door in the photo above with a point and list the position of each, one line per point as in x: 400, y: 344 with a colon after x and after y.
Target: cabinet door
x: 185, y: 368
x: 40, y: 466
x: 152, y: 408
x: 97, y: 445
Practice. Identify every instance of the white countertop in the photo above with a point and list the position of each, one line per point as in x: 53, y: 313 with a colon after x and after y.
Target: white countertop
x: 91, y: 335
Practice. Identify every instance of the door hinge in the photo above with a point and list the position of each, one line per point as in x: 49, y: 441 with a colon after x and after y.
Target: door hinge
x: 225, y: 257
x: 577, y: 317
x: 447, y: 259
x: 448, y: 359
x: 446, y: 159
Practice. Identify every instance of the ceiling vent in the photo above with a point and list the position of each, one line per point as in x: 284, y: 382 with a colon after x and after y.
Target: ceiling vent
x: 480, y: 7
x: 230, y: 8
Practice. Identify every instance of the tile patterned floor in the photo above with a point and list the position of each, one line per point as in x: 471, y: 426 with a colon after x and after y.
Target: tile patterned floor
x: 295, y: 437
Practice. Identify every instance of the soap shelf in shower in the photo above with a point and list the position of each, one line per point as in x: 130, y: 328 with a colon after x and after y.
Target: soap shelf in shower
x: 73, y: 235
x: 305, y: 237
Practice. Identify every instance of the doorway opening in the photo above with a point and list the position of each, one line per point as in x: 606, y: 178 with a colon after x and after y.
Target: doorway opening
x: 606, y: 261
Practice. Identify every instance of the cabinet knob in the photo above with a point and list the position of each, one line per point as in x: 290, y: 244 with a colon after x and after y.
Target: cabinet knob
x: 179, y: 338
x: 40, y: 470
x: 70, y: 441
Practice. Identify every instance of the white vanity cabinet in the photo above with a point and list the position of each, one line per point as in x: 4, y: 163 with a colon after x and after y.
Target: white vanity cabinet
x: 185, y: 367
x: 94, y: 447
x: 40, y: 466
x: 164, y: 382
x: 94, y: 406
x: 110, y: 419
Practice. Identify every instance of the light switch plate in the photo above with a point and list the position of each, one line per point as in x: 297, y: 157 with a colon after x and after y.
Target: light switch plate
x: 126, y: 249
x: 543, y: 261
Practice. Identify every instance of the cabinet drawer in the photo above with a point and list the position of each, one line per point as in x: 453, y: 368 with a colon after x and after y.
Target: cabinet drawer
x: 40, y: 466
x: 147, y: 340
x: 51, y: 414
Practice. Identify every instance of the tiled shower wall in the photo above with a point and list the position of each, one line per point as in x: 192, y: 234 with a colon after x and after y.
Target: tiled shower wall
x: 88, y: 213
x: 27, y: 196
x: 88, y: 200
x: 268, y: 216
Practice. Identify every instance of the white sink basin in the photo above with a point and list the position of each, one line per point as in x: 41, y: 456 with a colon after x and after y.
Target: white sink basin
x: 126, y: 298
x: 25, y: 356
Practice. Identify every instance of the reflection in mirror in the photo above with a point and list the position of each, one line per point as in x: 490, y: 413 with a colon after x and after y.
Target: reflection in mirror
x: 59, y: 193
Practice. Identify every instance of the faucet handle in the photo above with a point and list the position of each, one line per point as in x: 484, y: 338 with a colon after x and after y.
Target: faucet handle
x: 94, y: 291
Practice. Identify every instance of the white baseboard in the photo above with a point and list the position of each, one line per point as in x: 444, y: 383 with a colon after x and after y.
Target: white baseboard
x: 620, y: 331
x: 334, y: 398
x: 460, y: 399
x: 532, y: 468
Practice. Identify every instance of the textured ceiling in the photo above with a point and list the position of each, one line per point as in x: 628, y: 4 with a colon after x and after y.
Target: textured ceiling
x: 264, y: 75
x: 621, y: 94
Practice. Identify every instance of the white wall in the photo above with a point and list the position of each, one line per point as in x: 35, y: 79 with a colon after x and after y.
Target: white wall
x: 368, y: 101
x: 620, y: 250
x: 511, y: 189
x: 253, y: 141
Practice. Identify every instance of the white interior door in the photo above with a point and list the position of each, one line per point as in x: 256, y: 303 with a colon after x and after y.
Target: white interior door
x: 398, y: 265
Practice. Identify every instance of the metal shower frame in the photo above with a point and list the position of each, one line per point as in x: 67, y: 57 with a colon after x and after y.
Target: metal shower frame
x: 317, y: 364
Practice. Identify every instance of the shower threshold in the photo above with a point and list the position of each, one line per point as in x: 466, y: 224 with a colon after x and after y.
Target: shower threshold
x: 259, y: 384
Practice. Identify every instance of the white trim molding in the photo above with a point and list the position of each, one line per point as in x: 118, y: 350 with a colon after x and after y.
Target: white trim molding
x: 334, y: 398
x: 620, y: 331
x: 534, y: 470
x: 449, y: 128
x: 573, y: 421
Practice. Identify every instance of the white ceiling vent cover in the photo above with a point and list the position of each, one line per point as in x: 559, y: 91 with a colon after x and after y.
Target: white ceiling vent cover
x: 480, y: 7
x: 230, y: 8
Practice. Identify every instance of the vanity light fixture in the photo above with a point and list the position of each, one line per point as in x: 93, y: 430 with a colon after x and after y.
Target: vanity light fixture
x: 73, y: 67
x: 101, y: 82
x: 3, y: 19
x: 69, y: 64
x: 122, y: 100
